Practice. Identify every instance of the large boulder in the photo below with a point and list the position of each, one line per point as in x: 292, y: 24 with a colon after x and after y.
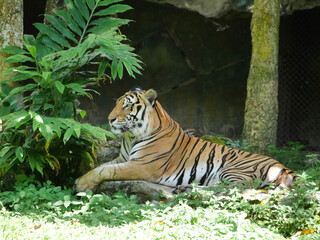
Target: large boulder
x: 218, y: 8
x: 144, y: 191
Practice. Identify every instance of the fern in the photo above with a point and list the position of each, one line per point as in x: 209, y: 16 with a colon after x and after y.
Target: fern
x: 41, y: 126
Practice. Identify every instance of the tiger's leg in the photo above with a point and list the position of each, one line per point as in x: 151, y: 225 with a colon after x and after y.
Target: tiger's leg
x: 121, y: 171
x: 116, y: 161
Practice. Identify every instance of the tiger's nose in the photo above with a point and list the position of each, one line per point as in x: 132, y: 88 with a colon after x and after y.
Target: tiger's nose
x: 112, y: 120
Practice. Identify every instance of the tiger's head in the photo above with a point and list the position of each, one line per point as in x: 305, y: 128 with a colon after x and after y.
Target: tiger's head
x: 132, y: 112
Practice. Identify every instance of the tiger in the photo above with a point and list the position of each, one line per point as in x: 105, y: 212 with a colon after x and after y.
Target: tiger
x: 155, y: 149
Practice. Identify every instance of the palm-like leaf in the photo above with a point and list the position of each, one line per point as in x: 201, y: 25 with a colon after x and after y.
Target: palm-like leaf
x: 90, y: 38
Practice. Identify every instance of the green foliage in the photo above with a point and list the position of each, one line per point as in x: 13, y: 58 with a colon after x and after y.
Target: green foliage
x: 239, y: 144
x: 286, y: 212
x: 33, y: 197
x: 215, y: 139
x: 40, y: 118
x: 291, y: 155
x: 218, y: 212
x: 30, y: 196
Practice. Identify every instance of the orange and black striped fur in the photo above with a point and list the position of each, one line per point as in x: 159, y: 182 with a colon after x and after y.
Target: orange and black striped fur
x: 156, y: 149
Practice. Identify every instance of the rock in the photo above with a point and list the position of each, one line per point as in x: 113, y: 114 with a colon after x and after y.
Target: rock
x: 145, y: 191
x: 108, y: 151
x: 207, y: 8
x: 219, y: 8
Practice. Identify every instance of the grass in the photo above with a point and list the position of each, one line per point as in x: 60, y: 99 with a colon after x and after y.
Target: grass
x: 34, y: 210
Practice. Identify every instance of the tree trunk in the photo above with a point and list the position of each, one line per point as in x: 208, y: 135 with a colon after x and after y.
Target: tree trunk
x: 261, y: 111
x: 11, y: 29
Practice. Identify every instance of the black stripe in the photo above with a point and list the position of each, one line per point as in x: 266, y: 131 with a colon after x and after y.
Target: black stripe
x: 195, y: 165
x: 179, y: 182
x: 143, y: 113
x: 210, y: 166
x: 165, y: 153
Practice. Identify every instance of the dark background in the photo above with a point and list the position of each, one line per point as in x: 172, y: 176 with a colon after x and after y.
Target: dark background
x: 199, y: 67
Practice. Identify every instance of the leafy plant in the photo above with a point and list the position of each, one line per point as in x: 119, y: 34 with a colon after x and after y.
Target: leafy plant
x: 30, y: 195
x: 239, y: 144
x: 313, y: 159
x: 40, y: 118
x: 291, y: 155
x: 220, y: 211
x: 281, y: 211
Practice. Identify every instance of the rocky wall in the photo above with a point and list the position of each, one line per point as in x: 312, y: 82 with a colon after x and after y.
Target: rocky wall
x: 198, y: 66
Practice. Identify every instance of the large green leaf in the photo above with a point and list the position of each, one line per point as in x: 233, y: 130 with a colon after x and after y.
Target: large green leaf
x: 46, y: 131
x: 26, y: 71
x: 29, y: 39
x: 118, y: 8
x: 77, y: 129
x: 61, y: 26
x: 76, y: 87
x: 36, y: 160
x: 86, y: 44
x: 114, y: 70
x: 101, y: 24
x: 120, y: 69
x: 102, y: 67
x: 17, y: 77
x: 4, y: 150
x: 75, y: 13
x: 20, y: 153
x: 37, y: 120
x: 52, y: 33
x: 68, y: 19
x: 25, y: 88
x: 91, y: 4
x: 67, y: 135
x: 32, y: 50
x: 5, y: 88
x: 18, y: 59
x: 14, y: 50
x: 108, y: 2
x: 15, y: 119
x: 59, y: 86
x: 49, y: 43
x: 83, y: 9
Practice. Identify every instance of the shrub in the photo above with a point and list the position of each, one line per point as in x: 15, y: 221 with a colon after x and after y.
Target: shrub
x: 290, y: 155
x: 41, y: 128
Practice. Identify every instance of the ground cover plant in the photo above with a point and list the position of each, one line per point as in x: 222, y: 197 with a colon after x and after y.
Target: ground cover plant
x: 44, y: 211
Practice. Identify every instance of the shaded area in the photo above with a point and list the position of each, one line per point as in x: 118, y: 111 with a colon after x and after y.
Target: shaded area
x: 199, y: 67
x: 33, y: 11
x: 299, y: 74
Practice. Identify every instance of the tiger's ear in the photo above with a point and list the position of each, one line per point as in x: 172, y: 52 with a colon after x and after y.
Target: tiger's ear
x: 135, y: 88
x: 151, y: 96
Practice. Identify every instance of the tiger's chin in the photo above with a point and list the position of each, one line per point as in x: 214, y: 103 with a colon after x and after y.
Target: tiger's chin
x: 120, y: 130
x: 135, y: 129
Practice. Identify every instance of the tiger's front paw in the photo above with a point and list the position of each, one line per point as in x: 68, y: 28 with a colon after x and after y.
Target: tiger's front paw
x: 182, y: 189
x: 86, y: 183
